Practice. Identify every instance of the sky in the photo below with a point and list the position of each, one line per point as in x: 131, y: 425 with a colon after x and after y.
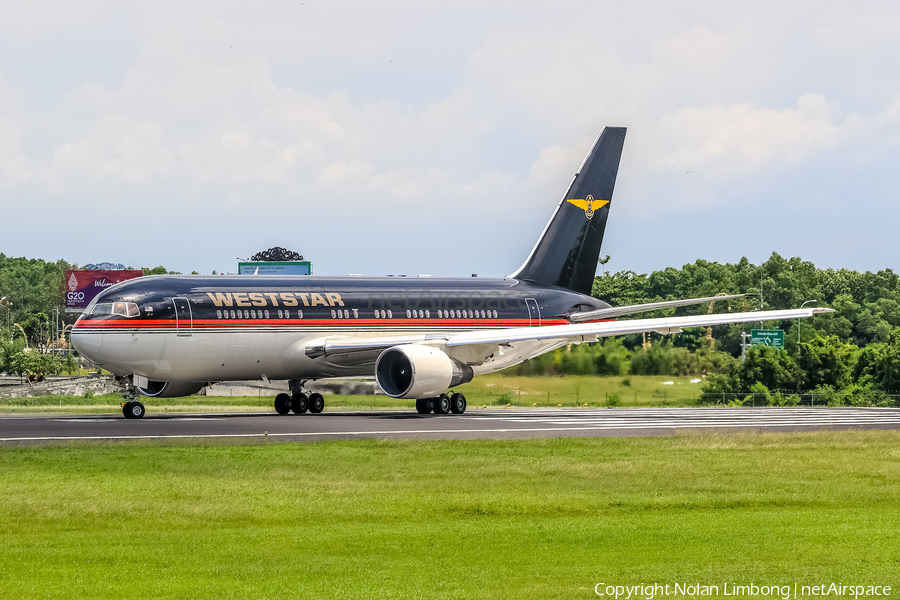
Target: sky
x: 436, y: 138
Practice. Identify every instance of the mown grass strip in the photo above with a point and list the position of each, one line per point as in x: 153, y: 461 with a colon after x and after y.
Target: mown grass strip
x: 474, y: 519
x: 490, y: 390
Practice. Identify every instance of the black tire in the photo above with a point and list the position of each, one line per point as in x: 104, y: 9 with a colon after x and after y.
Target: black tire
x: 299, y: 403
x: 422, y: 406
x: 126, y: 410
x: 429, y: 404
x: 457, y: 404
x: 316, y: 403
x: 442, y: 405
x: 135, y: 410
x: 282, y: 404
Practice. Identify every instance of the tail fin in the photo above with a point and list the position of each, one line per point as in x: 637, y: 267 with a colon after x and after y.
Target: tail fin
x: 566, y: 253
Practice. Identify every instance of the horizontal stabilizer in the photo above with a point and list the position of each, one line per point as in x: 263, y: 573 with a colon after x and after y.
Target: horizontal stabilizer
x: 618, y: 311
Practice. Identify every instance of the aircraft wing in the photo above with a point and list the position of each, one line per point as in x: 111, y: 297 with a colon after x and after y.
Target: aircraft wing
x: 575, y: 333
x: 610, y: 328
x: 618, y: 311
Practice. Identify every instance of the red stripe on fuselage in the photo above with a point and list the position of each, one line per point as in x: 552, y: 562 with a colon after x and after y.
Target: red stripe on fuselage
x: 276, y: 323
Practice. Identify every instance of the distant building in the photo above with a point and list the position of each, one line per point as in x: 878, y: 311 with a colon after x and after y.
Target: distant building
x: 275, y: 261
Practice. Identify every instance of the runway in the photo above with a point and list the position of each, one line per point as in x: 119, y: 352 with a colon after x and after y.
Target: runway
x: 475, y: 424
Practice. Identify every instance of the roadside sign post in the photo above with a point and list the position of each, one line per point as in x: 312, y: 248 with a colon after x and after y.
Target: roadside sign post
x: 767, y: 337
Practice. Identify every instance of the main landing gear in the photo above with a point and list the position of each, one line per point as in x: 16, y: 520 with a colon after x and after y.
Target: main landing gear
x: 442, y: 405
x: 299, y: 403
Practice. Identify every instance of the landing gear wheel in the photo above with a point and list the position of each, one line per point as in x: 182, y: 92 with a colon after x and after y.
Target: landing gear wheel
x: 422, y: 406
x: 316, y: 403
x: 457, y: 404
x: 299, y: 403
x: 442, y: 405
x: 429, y: 404
x: 133, y: 410
x: 282, y: 404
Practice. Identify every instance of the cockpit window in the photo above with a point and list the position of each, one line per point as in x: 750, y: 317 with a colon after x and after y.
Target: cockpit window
x: 123, y: 309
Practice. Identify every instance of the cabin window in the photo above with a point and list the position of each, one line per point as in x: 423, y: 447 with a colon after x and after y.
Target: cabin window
x: 390, y: 315
x: 232, y: 314
x: 495, y: 314
x: 376, y: 314
x: 471, y: 316
x: 240, y: 314
x: 346, y: 314
x: 427, y: 315
x: 280, y: 314
x: 218, y: 314
x: 267, y: 314
x: 299, y: 314
x: 287, y: 314
x: 333, y: 315
x: 408, y: 315
x: 246, y: 314
x: 253, y: 314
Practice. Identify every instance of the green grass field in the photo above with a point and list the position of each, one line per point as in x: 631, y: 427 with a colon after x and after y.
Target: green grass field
x: 476, y: 519
x: 491, y: 390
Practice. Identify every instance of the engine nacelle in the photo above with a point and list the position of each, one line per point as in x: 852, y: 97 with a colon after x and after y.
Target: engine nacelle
x: 168, y: 389
x: 414, y: 371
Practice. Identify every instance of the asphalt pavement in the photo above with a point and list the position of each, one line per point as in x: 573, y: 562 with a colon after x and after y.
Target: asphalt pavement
x: 475, y: 424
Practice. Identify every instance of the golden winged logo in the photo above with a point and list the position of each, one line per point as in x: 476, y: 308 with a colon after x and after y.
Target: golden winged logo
x: 589, y: 205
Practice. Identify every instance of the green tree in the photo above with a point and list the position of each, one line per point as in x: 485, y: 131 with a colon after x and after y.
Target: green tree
x: 771, y: 367
x: 879, y: 365
x: 826, y: 361
x: 33, y: 286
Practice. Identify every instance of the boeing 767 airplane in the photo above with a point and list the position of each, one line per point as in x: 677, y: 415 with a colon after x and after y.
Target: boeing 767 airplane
x: 167, y: 336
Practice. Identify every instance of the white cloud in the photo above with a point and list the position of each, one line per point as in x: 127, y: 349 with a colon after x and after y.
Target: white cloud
x: 299, y: 110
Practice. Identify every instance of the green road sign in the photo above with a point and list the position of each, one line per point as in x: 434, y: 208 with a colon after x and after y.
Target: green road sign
x: 767, y: 337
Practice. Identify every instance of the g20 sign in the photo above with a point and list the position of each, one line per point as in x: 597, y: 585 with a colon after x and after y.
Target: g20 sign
x: 83, y: 286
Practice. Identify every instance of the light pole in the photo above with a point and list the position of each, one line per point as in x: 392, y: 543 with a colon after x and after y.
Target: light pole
x: 7, y: 304
x: 798, y: 323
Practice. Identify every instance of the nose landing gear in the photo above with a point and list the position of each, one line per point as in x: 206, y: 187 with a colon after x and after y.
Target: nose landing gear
x: 133, y: 410
x: 132, y: 407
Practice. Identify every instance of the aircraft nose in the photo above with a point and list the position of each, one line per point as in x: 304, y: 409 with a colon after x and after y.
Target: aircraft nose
x: 87, y: 344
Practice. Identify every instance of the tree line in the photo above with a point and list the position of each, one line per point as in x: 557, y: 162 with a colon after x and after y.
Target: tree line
x: 851, y: 356
x: 854, y: 351
x: 34, y: 291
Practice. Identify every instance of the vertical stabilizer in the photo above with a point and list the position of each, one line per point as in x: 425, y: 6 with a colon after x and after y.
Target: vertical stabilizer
x: 566, y: 253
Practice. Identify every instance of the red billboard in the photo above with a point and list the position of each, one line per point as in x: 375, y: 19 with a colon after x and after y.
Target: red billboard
x: 83, y: 286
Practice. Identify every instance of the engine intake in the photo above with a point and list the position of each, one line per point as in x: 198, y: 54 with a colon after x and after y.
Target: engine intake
x: 414, y: 371
x: 168, y: 389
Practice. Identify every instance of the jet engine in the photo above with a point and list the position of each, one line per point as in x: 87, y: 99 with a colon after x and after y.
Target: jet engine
x: 414, y: 371
x: 168, y: 389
